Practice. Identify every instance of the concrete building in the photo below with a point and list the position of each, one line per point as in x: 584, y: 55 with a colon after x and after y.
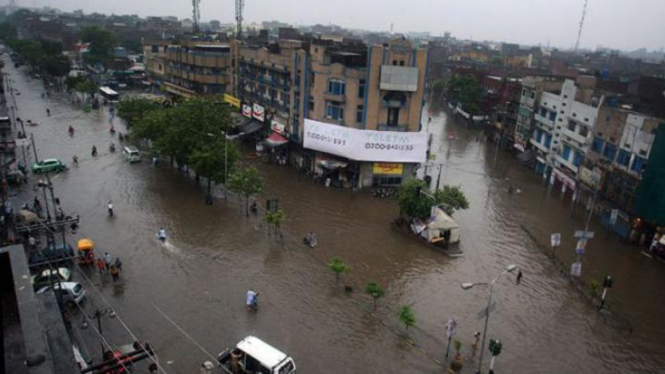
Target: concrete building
x: 380, y: 87
x: 532, y: 88
x: 189, y: 67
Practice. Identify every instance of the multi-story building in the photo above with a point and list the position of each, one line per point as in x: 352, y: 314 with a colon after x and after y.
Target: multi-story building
x: 189, y: 67
x: 380, y: 87
x: 532, y: 88
x: 563, y: 127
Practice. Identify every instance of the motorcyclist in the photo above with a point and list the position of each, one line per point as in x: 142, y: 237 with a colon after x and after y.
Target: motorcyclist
x: 94, y: 151
x: 161, y: 234
x: 110, y: 206
x: 75, y: 160
x: 112, y: 147
x: 71, y: 130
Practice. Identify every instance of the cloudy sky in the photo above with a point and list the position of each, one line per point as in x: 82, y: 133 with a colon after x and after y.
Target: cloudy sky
x: 623, y: 24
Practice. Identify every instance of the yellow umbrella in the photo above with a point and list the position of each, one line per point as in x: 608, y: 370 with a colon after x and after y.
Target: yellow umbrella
x: 86, y: 245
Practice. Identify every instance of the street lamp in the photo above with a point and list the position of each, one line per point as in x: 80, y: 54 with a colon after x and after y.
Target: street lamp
x: 227, y: 137
x: 467, y: 286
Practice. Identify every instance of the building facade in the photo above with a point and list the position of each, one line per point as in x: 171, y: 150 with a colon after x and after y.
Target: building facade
x: 189, y: 67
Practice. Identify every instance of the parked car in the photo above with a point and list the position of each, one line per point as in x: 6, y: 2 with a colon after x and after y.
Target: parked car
x: 48, y: 165
x: 50, y: 276
x: 70, y: 291
x: 53, y: 254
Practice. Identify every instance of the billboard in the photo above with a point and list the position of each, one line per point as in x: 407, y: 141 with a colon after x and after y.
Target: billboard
x: 234, y: 101
x: 365, y: 145
x: 259, y: 112
x: 387, y: 168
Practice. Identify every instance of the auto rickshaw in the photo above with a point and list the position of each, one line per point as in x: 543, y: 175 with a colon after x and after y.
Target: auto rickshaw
x: 86, y: 249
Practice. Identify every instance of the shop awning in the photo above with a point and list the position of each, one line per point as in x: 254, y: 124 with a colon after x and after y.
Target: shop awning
x: 275, y: 140
x: 249, y: 127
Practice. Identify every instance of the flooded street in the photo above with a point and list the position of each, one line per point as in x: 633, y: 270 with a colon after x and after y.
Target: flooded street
x: 213, y: 255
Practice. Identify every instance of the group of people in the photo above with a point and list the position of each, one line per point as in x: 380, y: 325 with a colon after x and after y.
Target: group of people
x: 105, y: 265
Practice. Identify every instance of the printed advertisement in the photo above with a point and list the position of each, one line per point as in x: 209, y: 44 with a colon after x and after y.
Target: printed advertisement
x: 365, y: 145
x: 247, y: 110
x: 259, y: 112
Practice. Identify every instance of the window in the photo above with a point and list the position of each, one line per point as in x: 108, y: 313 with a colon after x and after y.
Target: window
x: 584, y: 131
x: 548, y: 140
x: 574, y: 114
x: 597, y: 145
x: 311, y: 105
x: 154, y: 49
x: 395, y: 62
x: 336, y: 87
x: 577, y: 159
x: 552, y: 116
x: 566, y: 152
x: 610, y: 151
x: 393, y: 116
x: 533, y: 94
x: 359, y: 114
x: 524, y: 93
x: 623, y: 158
x: 536, y: 135
x: 572, y: 125
x: 543, y: 112
x: 361, y: 88
x: 334, y: 111
x: 639, y: 163
x: 401, y: 63
x: 565, y: 96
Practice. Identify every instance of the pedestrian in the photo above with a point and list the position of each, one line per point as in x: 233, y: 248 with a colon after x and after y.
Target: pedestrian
x: 48, y: 112
x: 36, y: 204
x: 117, y: 263
x: 519, y: 276
x: 107, y: 260
x: 115, y: 272
x: 101, y: 266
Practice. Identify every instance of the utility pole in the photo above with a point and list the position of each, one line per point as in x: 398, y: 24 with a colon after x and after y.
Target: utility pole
x: 98, y: 316
x: 584, y: 236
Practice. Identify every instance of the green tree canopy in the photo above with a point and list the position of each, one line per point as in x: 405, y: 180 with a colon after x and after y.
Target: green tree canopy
x: 338, y: 267
x: 466, y: 90
x: 407, y: 317
x: 374, y: 290
x: 101, y: 41
x: 133, y: 110
x: 416, y: 202
x: 247, y: 182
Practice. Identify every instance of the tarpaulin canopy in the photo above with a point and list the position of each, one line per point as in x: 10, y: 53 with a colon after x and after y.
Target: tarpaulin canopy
x: 275, y: 140
x: 249, y: 127
x: 86, y: 244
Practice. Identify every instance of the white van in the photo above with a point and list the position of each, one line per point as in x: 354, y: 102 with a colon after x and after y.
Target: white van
x: 132, y: 154
x: 71, y: 291
x: 253, y: 355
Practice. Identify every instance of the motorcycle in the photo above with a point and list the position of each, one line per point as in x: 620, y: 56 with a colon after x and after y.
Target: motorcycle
x: 383, y: 192
x: 110, y: 210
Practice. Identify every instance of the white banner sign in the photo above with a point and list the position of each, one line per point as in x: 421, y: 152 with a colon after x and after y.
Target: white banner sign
x: 247, y: 110
x: 259, y: 112
x: 365, y: 145
x: 555, y: 239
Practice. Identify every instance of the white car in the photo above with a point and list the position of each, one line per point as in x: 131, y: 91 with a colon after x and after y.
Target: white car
x: 71, y: 291
x: 48, y: 276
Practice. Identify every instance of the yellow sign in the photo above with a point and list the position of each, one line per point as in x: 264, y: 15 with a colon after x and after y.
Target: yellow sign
x: 387, y: 168
x: 232, y: 100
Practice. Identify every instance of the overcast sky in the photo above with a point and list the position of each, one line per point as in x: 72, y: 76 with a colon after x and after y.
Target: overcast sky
x: 623, y: 24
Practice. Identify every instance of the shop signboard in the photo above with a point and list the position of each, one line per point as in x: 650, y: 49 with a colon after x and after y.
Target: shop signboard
x: 277, y: 127
x: 387, y: 168
x: 365, y: 145
x: 247, y: 110
x: 259, y: 112
x: 234, y: 101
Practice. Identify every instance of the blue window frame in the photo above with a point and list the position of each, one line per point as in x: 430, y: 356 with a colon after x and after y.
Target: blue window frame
x: 566, y: 152
x: 543, y: 112
x: 623, y: 158
x: 638, y: 164
x: 536, y: 135
x: 552, y: 116
x: 548, y: 140
x: 577, y: 158
x: 597, y: 145
x: 334, y: 111
x: 610, y: 151
x: 336, y: 87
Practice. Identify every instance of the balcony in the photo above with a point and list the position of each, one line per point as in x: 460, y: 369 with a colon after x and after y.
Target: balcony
x: 576, y: 137
x: 332, y: 97
x: 544, y: 120
x: 538, y: 145
x: 566, y: 163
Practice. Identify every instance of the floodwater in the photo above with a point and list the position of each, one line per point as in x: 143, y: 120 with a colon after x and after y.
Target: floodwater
x: 214, y: 254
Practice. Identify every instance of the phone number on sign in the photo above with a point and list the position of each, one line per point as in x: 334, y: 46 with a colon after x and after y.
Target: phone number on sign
x: 389, y: 147
x: 327, y: 139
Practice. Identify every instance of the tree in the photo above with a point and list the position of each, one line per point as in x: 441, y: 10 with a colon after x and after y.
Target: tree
x: 416, y: 202
x: 246, y: 182
x: 374, y: 290
x: 85, y: 86
x: 210, y: 161
x: 134, y: 109
x: 338, y: 267
x: 438, y: 88
x: 276, y: 218
x: 56, y: 65
x: 101, y: 41
x: 466, y: 90
x: 407, y: 317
